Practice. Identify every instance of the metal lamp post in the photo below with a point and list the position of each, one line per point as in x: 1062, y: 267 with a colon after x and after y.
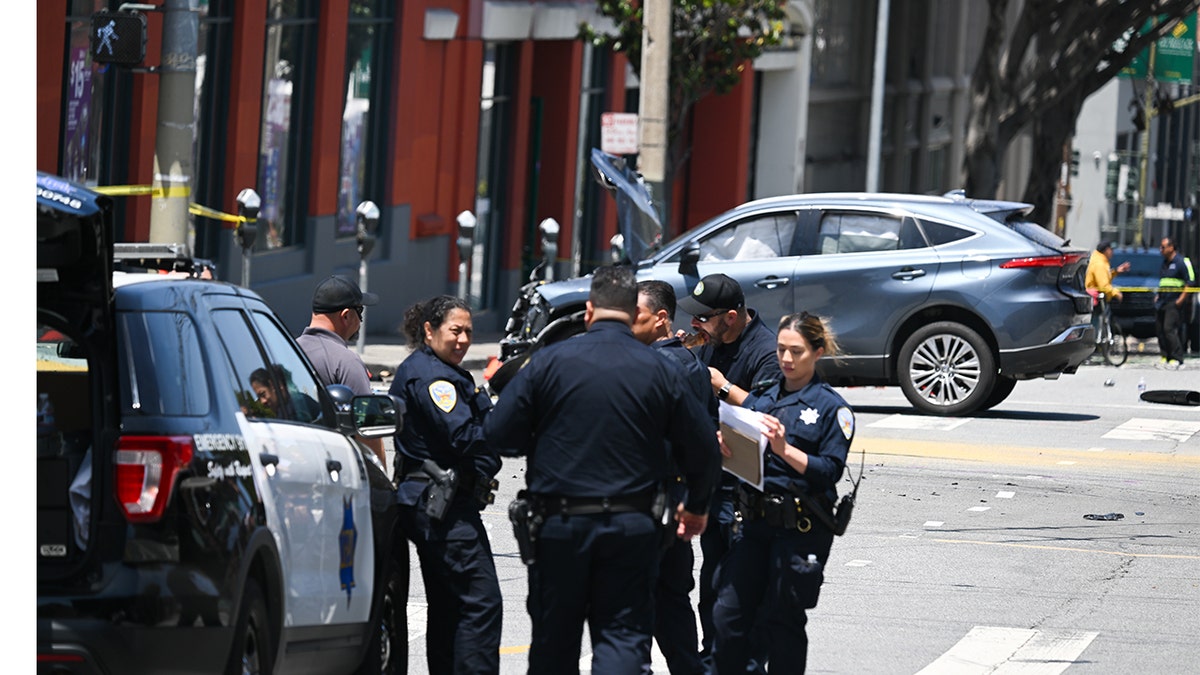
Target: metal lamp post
x: 548, y: 228
x: 466, y: 242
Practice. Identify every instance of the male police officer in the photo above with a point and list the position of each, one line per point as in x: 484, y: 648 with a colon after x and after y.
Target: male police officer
x: 739, y: 350
x: 674, y: 619
x: 1175, y: 276
x: 594, y: 414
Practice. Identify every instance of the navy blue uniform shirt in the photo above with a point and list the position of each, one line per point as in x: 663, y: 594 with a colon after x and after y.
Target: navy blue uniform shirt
x: 594, y: 414
x: 695, y: 372
x: 819, y: 422
x: 444, y: 416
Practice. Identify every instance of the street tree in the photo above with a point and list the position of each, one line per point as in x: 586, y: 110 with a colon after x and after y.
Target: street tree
x: 1036, y: 76
x: 713, y: 42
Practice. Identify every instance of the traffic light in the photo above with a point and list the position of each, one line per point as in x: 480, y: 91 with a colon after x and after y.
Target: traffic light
x: 1139, y: 118
x: 1074, y: 162
x: 118, y: 38
x: 1111, y: 178
x: 1134, y: 183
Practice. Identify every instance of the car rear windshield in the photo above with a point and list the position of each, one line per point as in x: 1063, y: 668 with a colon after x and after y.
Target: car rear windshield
x: 162, y: 366
x: 1038, y: 234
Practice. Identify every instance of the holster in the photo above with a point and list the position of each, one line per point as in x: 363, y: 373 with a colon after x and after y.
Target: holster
x: 443, y: 486
x: 527, y: 517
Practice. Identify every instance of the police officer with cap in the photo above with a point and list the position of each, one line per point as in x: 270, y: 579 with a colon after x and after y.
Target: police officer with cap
x: 739, y: 350
x: 337, y: 314
x: 593, y: 414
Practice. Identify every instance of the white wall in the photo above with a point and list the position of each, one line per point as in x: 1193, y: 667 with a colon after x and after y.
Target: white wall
x: 1095, y: 133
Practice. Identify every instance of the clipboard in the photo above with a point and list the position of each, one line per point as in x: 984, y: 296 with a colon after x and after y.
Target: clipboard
x: 740, y: 429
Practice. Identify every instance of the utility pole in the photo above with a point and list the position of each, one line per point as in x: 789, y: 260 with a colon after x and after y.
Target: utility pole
x: 875, y: 134
x: 1144, y: 160
x: 176, y: 125
x: 653, y: 100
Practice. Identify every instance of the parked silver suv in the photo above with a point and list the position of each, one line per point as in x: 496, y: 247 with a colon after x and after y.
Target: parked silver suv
x: 952, y: 299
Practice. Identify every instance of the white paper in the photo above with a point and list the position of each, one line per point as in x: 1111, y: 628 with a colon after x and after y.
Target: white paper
x: 747, y: 422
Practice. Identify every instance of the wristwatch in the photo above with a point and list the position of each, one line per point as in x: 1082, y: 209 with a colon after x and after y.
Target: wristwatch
x: 723, y: 392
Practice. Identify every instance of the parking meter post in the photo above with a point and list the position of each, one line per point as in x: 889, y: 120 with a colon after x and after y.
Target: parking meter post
x: 466, y: 242
x: 246, y: 232
x: 549, y: 231
x: 366, y: 217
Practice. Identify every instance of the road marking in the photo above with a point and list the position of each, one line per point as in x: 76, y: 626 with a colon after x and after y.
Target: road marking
x: 994, y: 650
x: 919, y: 422
x: 1005, y: 494
x: 934, y: 523
x: 1066, y: 463
x: 979, y: 508
x: 1145, y: 429
x: 858, y: 563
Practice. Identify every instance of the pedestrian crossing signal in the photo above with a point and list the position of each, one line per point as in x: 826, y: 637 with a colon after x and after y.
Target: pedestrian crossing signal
x: 118, y: 38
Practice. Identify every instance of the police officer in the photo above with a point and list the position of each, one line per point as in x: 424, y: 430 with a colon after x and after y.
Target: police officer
x: 739, y: 350
x: 674, y: 618
x: 443, y: 423
x: 809, y: 428
x: 1174, y: 277
x: 593, y: 414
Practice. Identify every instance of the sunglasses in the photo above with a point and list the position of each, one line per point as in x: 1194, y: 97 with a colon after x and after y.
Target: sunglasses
x: 358, y: 309
x: 704, y: 318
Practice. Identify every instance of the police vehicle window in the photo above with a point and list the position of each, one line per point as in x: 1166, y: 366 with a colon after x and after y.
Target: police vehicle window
x: 258, y: 385
x: 865, y: 232
x: 163, y: 371
x: 941, y: 233
x: 301, y: 384
x: 764, y: 236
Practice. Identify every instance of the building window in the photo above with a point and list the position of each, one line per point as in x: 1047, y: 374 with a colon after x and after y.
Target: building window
x: 282, y: 169
x: 492, y: 169
x: 360, y: 174
x: 839, y: 39
x: 83, y: 99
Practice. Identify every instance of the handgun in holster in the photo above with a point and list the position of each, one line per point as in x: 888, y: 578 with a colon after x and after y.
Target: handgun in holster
x: 443, y: 485
x: 527, y: 518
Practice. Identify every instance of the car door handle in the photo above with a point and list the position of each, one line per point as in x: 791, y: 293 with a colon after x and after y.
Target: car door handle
x: 268, y: 459
x: 333, y: 465
x: 908, y: 274
x: 772, y: 282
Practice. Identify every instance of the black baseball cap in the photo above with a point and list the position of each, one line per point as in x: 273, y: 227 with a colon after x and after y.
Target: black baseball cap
x: 715, y: 291
x: 337, y: 293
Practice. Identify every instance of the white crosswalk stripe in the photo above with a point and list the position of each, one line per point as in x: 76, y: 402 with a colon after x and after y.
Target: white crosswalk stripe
x: 993, y: 650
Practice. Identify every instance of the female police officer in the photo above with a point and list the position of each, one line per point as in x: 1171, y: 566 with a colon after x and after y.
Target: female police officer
x: 780, y: 546
x: 443, y: 430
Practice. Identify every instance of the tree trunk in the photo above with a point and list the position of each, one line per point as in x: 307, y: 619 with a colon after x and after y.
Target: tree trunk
x: 984, y: 155
x: 1050, y: 132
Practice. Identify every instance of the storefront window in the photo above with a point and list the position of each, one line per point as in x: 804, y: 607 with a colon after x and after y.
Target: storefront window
x: 366, y: 47
x: 282, y: 179
x: 82, y: 99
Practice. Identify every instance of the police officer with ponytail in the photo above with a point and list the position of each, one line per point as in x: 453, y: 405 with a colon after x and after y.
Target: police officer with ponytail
x: 780, y: 541
x: 445, y: 472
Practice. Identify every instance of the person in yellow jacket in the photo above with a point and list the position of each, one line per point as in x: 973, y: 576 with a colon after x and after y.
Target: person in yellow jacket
x: 1100, y: 275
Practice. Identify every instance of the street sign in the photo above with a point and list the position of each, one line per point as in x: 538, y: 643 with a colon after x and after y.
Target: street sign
x: 1172, y: 54
x: 619, y: 133
x: 118, y: 38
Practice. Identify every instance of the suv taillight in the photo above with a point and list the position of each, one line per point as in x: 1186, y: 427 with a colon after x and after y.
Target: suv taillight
x: 1043, y: 261
x: 145, y: 473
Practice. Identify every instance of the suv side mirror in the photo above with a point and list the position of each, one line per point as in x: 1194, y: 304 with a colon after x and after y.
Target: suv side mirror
x: 377, y: 415
x: 689, y: 258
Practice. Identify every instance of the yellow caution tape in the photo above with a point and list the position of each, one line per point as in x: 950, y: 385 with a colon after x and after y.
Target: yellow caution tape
x: 1155, y: 289
x: 158, y: 192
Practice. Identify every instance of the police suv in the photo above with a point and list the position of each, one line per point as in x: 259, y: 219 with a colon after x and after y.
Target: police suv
x: 203, y: 504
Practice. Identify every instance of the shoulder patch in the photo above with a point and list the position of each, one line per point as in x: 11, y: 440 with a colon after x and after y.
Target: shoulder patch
x: 845, y: 418
x: 444, y: 395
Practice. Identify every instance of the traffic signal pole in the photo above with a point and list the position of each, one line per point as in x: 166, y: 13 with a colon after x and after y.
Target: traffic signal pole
x: 176, y: 124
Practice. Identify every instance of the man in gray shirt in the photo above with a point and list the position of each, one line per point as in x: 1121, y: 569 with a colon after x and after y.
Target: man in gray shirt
x: 337, y: 309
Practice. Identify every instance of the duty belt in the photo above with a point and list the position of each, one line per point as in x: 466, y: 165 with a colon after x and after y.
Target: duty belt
x: 783, y: 511
x: 639, y: 502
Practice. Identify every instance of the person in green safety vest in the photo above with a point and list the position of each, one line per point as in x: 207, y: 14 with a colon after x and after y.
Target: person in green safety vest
x: 1175, y: 275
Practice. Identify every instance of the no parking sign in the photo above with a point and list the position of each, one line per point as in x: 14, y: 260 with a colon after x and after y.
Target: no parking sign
x: 619, y: 133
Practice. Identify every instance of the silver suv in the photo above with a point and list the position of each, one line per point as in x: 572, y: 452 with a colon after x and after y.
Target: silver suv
x: 952, y: 299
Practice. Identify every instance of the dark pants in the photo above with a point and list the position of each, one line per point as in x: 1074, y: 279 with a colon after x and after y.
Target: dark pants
x: 764, y: 569
x: 1167, y: 325
x: 461, y: 587
x: 600, y: 569
x: 674, y: 619
x: 714, y: 543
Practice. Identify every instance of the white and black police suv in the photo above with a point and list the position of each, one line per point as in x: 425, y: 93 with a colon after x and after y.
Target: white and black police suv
x: 203, y: 504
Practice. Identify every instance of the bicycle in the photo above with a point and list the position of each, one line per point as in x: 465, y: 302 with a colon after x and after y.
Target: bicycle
x: 1110, y: 340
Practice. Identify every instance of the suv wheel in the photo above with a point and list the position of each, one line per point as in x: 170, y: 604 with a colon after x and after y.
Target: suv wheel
x: 387, y: 651
x: 252, y: 651
x: 1004, y: 387
x: 946, y: 369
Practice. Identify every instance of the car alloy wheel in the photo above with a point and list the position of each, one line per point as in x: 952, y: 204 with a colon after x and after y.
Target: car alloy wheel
x: 947, y: 369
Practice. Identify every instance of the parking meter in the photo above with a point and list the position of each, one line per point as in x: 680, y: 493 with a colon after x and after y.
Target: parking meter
x: 246, y: 231
x: 548, y: 228
x: 366, y: 217
x: 466, y: 242
x: 616, y: 248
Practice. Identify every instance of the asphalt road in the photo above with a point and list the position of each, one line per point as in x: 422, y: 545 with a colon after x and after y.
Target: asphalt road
x: 973, y: 548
